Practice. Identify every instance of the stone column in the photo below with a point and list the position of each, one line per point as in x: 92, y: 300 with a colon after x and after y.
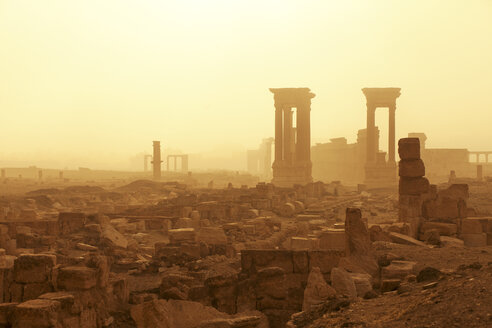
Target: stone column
x: 371, y: 134
x: 391, y: 134
x: 278, y: 134
x: 184, y: 163
x: 288, y: 135
x: 157, y: 159
x: 304, y: 133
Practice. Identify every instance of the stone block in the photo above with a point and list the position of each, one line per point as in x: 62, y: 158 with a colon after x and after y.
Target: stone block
x: 451, y: 242
x: 38, y: 313
x: 34, y: 290
x: 411, y: 168
x: 343, y: 283
x: 300, y: 243
x: 182, y: 235
x: 6, y: 310
x: 363, y: 283
x: 445, y: 229
x: 31, y: 268
x: 409, y: 148
x: 212, y: 236
x: 474, y: 239
x: 410, y: 206
x: 399, y: 238
x: 413, y: 186
x: 398, y: 270
x: 76, y: 278
x: 471, y: 226
x: 333, y: 239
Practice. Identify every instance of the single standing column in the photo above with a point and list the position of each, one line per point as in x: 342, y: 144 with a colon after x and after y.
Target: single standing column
x: 288, y: 135
x: 157, y: 160
x: 370, y: 134
x: 391, y: 134
x: 278, y: 135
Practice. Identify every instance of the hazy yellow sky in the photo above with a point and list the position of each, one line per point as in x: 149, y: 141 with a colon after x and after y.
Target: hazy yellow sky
x: 99, y: 80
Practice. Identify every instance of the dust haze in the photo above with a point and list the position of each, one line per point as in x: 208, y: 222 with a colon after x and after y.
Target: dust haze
x: 245, y: 164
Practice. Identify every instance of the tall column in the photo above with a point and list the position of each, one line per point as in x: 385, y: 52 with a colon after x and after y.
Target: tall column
x: 184, y: 163
x: 303, y: 133
x: 391, y: 134
x: 371, y: 134
x: 157, y: 160
x: 288, y: 135
x: 278, y: 134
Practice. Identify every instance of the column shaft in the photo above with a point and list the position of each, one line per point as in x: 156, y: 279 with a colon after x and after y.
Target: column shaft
x: 391, y: 134
x: 303, y: 149
x: 288, y: 135
x: 278, y: 135
x: 371, y: 135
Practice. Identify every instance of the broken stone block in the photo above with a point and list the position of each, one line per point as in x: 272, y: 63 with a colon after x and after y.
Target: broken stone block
x: 411, y: 168
x: 271, y: 283
x: 38, y: 313
x: 363, y: 283
x: 112, y: 238
x: 389, y: 285
x: 212, y: 236
x: 76, y: 278
x: 182, y: 235
x: 432, y: 237
x: 398, y: 270
x: 409, y: 148
x: 413, y: 186
x: 474, y: 239
x: 317, y: 290
x: 33, y: 268
x: 398, y: 238
x: 343, y: 283
x: 184, y: 223
x: 451, y: 242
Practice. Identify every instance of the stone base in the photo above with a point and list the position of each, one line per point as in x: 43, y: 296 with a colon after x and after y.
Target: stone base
x: 287, y: 175
x: 381, y: 175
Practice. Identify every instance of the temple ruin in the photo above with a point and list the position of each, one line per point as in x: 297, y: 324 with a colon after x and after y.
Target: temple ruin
x: 292, y: 164
x: 380, y: 171
x: 181, y: 159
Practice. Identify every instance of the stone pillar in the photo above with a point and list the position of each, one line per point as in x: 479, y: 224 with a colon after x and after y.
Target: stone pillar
x: 391, y: 134
x: 278, y: 134
x: 371, y: 134
x: 304, y: 133
x: 157, y: 160
x: 184, y: 163
x: 40, y: 175
x: 3, y: 174
x: 479, y: 172
x: 288, y: 154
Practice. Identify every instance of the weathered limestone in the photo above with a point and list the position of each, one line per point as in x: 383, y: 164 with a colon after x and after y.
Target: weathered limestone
x: 156, y: 160
x: 412, y: 185
x: 317, y: 290
x: 343, y: 282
